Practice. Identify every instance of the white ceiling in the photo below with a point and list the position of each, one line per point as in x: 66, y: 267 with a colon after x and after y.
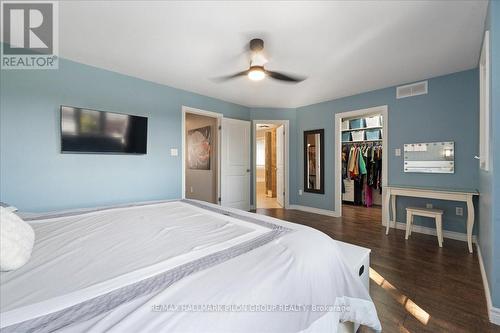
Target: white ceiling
x: 344, y: 47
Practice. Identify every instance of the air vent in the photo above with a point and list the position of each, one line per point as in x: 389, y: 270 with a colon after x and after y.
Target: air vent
x: 414, y: 89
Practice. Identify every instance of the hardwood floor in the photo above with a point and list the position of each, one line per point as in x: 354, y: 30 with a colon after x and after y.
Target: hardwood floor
x: 416, y: 286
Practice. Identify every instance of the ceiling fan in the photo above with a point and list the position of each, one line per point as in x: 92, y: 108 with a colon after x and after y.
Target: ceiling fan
x: 257, y: 72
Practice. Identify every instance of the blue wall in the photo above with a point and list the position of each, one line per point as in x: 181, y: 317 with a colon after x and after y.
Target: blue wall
x: 489, y: 182
x: 37, y: 177
x: 449, y: 112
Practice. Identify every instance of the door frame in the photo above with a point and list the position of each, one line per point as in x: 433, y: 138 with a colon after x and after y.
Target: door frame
x: 218, y: 116
x: 286, y: 159
x: 383, y: 110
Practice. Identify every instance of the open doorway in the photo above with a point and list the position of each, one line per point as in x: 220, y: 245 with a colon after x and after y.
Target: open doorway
x: 361, y: 162
x: 201, y: 158
x: 270, y: 157
x: 216, y: 158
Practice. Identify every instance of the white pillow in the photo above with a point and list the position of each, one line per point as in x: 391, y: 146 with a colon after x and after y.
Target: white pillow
x: 8, y: 207
x: 16, y: 240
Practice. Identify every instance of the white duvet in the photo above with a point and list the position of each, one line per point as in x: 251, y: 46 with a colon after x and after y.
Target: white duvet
x: 295, y: 283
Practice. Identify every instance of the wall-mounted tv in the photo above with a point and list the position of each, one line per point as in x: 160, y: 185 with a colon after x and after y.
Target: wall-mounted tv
x: 91, y: 131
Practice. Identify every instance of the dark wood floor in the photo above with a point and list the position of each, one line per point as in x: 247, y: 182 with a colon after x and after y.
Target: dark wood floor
x: 416, y: 286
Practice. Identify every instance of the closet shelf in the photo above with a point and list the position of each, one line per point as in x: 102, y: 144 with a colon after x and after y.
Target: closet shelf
x: 361, y: 141
x: 361, y: 129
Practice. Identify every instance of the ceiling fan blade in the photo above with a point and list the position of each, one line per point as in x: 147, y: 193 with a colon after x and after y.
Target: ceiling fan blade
x: 284, y: 77
x: 229, y: 77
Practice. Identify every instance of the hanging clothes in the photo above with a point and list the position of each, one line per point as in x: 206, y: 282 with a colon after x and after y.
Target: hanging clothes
x: 351, y: 163
x: 368, y: 196
x: 367, y: 191
x: 355, y: 163
x: 362, y: 163
x: 358, y: 191
x: 345, y: 161
x: 378, y: 168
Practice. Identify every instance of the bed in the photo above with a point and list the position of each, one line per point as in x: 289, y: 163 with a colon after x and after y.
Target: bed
x: 181, y: 266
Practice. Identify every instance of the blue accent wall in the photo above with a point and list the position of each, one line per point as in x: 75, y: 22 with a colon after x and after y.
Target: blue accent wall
x: 449, y: 112
x: 489, y: 182
x: 35, y: 176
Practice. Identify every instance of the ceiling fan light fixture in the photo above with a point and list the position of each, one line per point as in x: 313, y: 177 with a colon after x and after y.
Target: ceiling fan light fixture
x: 256, y: 73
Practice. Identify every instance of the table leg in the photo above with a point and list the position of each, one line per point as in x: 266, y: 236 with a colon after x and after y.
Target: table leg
x: 386, y: 214
x: 393, y: 204
x: 470, y: 221
x: 439, y: 229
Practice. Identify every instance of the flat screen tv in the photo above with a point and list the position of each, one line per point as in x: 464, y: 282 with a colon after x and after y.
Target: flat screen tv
x: 91, y: 131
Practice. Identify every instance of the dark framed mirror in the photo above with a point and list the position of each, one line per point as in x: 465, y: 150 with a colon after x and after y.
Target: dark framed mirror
x: 314, y: 157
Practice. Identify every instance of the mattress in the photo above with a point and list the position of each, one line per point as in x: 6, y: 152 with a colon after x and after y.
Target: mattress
x: 180, y: 266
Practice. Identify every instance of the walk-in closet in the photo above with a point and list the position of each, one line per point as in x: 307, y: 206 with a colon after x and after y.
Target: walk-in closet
x: 362, y: 155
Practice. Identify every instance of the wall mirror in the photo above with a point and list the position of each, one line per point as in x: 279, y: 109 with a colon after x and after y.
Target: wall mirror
x: 314, y: 152
x: 433, y: 157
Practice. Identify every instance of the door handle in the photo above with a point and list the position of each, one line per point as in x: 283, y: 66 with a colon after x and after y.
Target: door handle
x: 248, y: 170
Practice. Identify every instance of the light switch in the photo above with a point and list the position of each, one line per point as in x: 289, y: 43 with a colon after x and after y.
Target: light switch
x: 397, y: 152
x: 300, y: 192
x: 174, y: 152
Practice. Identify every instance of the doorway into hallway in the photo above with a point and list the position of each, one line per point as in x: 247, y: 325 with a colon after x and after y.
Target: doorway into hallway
x: 269, y: 165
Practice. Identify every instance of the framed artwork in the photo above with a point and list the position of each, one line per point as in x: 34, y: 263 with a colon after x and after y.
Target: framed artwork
x: 199, y: 145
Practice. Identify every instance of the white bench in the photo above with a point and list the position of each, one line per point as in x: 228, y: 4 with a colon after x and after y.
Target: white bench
x: 436, y: 214
x: 357, y: 259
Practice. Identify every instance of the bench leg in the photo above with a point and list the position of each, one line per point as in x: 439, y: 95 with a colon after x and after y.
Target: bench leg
x: 439, y: 229
x: 409, y: 217
x: 411, y: 223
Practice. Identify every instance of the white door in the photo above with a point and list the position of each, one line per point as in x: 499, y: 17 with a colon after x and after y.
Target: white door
x: 280, y: 166
x: 235, y: 169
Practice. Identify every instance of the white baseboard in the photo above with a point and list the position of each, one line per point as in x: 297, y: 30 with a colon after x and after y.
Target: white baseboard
x: 495, y: 315
x: 493, y: 312
x: 431, y: 231
x: 315, y: 210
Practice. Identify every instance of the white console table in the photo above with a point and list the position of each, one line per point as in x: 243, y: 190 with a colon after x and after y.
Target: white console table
x: 431, y: 193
